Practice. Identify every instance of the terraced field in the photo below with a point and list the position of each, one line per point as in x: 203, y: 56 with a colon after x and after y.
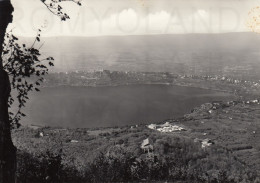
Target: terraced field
x: 235, y: 127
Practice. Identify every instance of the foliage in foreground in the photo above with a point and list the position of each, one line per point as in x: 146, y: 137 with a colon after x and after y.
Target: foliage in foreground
x: 120, y: 165
x: 26, y: 68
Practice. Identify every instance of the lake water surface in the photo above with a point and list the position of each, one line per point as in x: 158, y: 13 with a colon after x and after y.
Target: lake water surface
x: 80, y: 107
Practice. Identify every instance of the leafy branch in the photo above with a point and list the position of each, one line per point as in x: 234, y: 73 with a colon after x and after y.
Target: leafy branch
x: 24, y: 65
x: 26, y: 69
x: 54, y: 7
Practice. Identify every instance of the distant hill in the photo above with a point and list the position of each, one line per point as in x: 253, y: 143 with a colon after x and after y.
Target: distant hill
x: 155, y: 52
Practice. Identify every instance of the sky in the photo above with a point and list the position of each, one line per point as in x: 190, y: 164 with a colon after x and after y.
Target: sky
x: 133, y: 17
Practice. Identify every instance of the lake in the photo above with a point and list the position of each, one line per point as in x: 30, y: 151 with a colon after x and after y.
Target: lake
x: 87, y: 107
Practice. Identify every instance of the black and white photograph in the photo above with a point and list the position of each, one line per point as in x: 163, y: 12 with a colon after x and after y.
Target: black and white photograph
x: 107, y: 91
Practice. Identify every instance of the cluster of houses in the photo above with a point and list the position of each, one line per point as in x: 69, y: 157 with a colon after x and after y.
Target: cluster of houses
x: 256, y: 101
x: 204, y: 142
x: 253, y: 84
x: 166, y: 128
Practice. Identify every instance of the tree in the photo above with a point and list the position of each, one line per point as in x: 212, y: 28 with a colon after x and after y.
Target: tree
x: 7, y: 149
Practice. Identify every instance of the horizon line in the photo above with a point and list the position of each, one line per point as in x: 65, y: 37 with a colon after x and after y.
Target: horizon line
x: 96, y: 36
